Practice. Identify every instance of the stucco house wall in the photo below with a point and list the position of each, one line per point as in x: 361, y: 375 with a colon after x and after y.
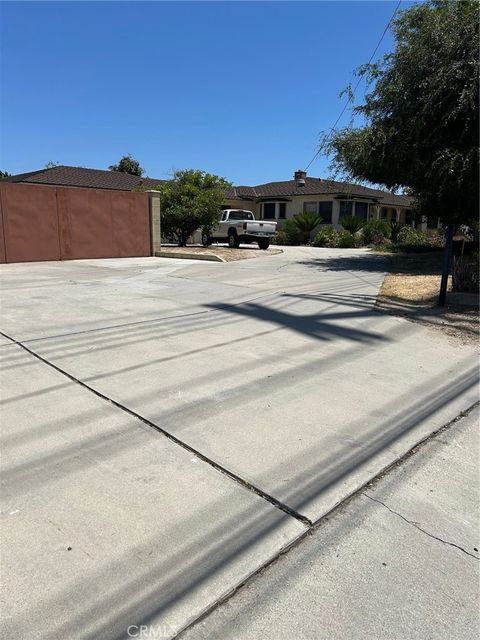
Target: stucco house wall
x: 296, y: 204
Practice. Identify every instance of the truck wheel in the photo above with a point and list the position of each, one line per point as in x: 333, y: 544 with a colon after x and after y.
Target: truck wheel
x: 264, y: 243
x: 233, y: 241
x: 206, y: 240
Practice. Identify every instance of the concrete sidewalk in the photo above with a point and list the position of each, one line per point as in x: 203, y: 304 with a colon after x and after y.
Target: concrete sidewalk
x: 400, y: 560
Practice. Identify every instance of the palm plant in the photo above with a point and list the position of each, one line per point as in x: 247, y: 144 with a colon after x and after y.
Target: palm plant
x: 352, y: 224
x: 395, y: 227
x: 306, y: 223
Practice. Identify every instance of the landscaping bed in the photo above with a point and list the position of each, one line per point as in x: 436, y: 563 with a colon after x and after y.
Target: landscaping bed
x: 222, y: 253
x: 411, y: 289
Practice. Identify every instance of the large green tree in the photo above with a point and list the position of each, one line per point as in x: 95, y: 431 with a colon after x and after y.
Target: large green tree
x: 421, y: 125
x: 128, y: 164
x: 190, y: 201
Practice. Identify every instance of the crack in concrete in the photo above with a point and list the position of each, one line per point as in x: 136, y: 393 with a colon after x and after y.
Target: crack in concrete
x: 414, y: 524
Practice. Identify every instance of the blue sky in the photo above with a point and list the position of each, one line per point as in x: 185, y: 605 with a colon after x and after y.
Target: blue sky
x: 240, y: 89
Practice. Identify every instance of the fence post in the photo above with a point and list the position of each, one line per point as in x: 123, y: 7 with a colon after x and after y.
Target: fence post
x: 155, y: 224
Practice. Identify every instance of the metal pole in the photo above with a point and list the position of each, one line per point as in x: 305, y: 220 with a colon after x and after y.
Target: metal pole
x: 446, y: 265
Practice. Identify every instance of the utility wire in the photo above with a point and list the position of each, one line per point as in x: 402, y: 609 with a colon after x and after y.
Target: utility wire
x: 352, y: 95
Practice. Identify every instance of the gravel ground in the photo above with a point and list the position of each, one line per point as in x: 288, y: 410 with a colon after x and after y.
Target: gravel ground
x: 224, y: 252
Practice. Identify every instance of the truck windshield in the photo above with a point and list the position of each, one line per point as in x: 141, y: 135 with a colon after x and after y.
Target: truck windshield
x: 240, y: 215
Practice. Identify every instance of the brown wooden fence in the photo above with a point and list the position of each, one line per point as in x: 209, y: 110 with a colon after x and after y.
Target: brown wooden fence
x: 66, y: 223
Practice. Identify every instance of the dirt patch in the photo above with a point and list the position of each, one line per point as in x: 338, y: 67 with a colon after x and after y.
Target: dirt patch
x: 225, y: 253
x: 411, y: 290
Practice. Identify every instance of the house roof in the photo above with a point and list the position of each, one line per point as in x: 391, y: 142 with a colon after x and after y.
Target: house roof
x: 318, y: 186
x: 81, y: 177
x: 102, y: 179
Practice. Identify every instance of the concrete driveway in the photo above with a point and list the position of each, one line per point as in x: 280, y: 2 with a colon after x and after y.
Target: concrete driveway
x: 170, y: 426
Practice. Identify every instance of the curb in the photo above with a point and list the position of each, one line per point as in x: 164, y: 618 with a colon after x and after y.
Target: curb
x: 211, y: 257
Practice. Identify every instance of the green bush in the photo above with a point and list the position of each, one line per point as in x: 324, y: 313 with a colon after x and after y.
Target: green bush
x: 346, y: 240
x: 281, y: 238
x: 289, y: 234
x: 306, y: 223
x: 376, y: 231
x: 436, y: 237
x: 358, y: 239
x: 395, y: 228
x: 327, y: 237
x: 465, y: 273
x: 352, y: 224
x: 411, y: 236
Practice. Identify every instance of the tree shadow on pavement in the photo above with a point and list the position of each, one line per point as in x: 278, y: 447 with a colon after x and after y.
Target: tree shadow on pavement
x: 315, y: 326
x: 366, y: 262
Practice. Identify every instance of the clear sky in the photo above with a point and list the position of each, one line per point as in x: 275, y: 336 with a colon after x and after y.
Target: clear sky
x: 240, y: 89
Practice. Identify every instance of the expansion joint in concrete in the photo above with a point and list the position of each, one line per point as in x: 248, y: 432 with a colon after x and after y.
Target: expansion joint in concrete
x: 246, y: 485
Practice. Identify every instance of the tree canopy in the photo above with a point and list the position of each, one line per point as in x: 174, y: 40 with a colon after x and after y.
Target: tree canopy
x: 421, y: 116
x: 190, y: 201
x: 128, y: 164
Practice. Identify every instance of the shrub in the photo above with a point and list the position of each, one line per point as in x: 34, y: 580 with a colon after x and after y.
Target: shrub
x: 411, y: 236
x: 436, y: 237
x: 358, y: 239
x: 465, y: 273
x: 289, y: 234
x: 346, y: 240
x: 281, y: 238
x: 395, y: 228
x: 376, y: 231
x: 352, y: 224
x: 306, y: 223
x: 328, y: 237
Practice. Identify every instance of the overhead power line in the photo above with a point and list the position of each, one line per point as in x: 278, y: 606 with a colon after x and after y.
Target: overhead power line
x: 352, y: 94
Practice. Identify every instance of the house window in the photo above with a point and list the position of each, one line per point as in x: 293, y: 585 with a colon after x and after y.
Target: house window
x: 282, y: 210
x: 325, y: 212
x: 346, y: 208
x: 383, y: 213
x: 269, y: 211
x: 361, y: 210
x: 310, y: 207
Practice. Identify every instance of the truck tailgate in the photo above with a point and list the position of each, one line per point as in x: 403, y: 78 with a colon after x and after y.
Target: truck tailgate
x: 261, y: 227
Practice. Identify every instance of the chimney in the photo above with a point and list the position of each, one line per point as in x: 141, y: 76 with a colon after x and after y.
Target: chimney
x: 299, y: 177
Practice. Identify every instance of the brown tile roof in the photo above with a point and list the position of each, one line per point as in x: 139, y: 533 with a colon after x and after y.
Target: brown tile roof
x: 318, y: 186
x: 101, y: 179
x: 80, y: 177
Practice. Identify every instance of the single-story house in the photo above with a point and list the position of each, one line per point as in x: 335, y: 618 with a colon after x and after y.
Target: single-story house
x: 331, y: 200
x: 271, y: 201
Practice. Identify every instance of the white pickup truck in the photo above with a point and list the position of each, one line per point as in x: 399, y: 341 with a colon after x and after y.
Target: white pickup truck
x: 239, y: 226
